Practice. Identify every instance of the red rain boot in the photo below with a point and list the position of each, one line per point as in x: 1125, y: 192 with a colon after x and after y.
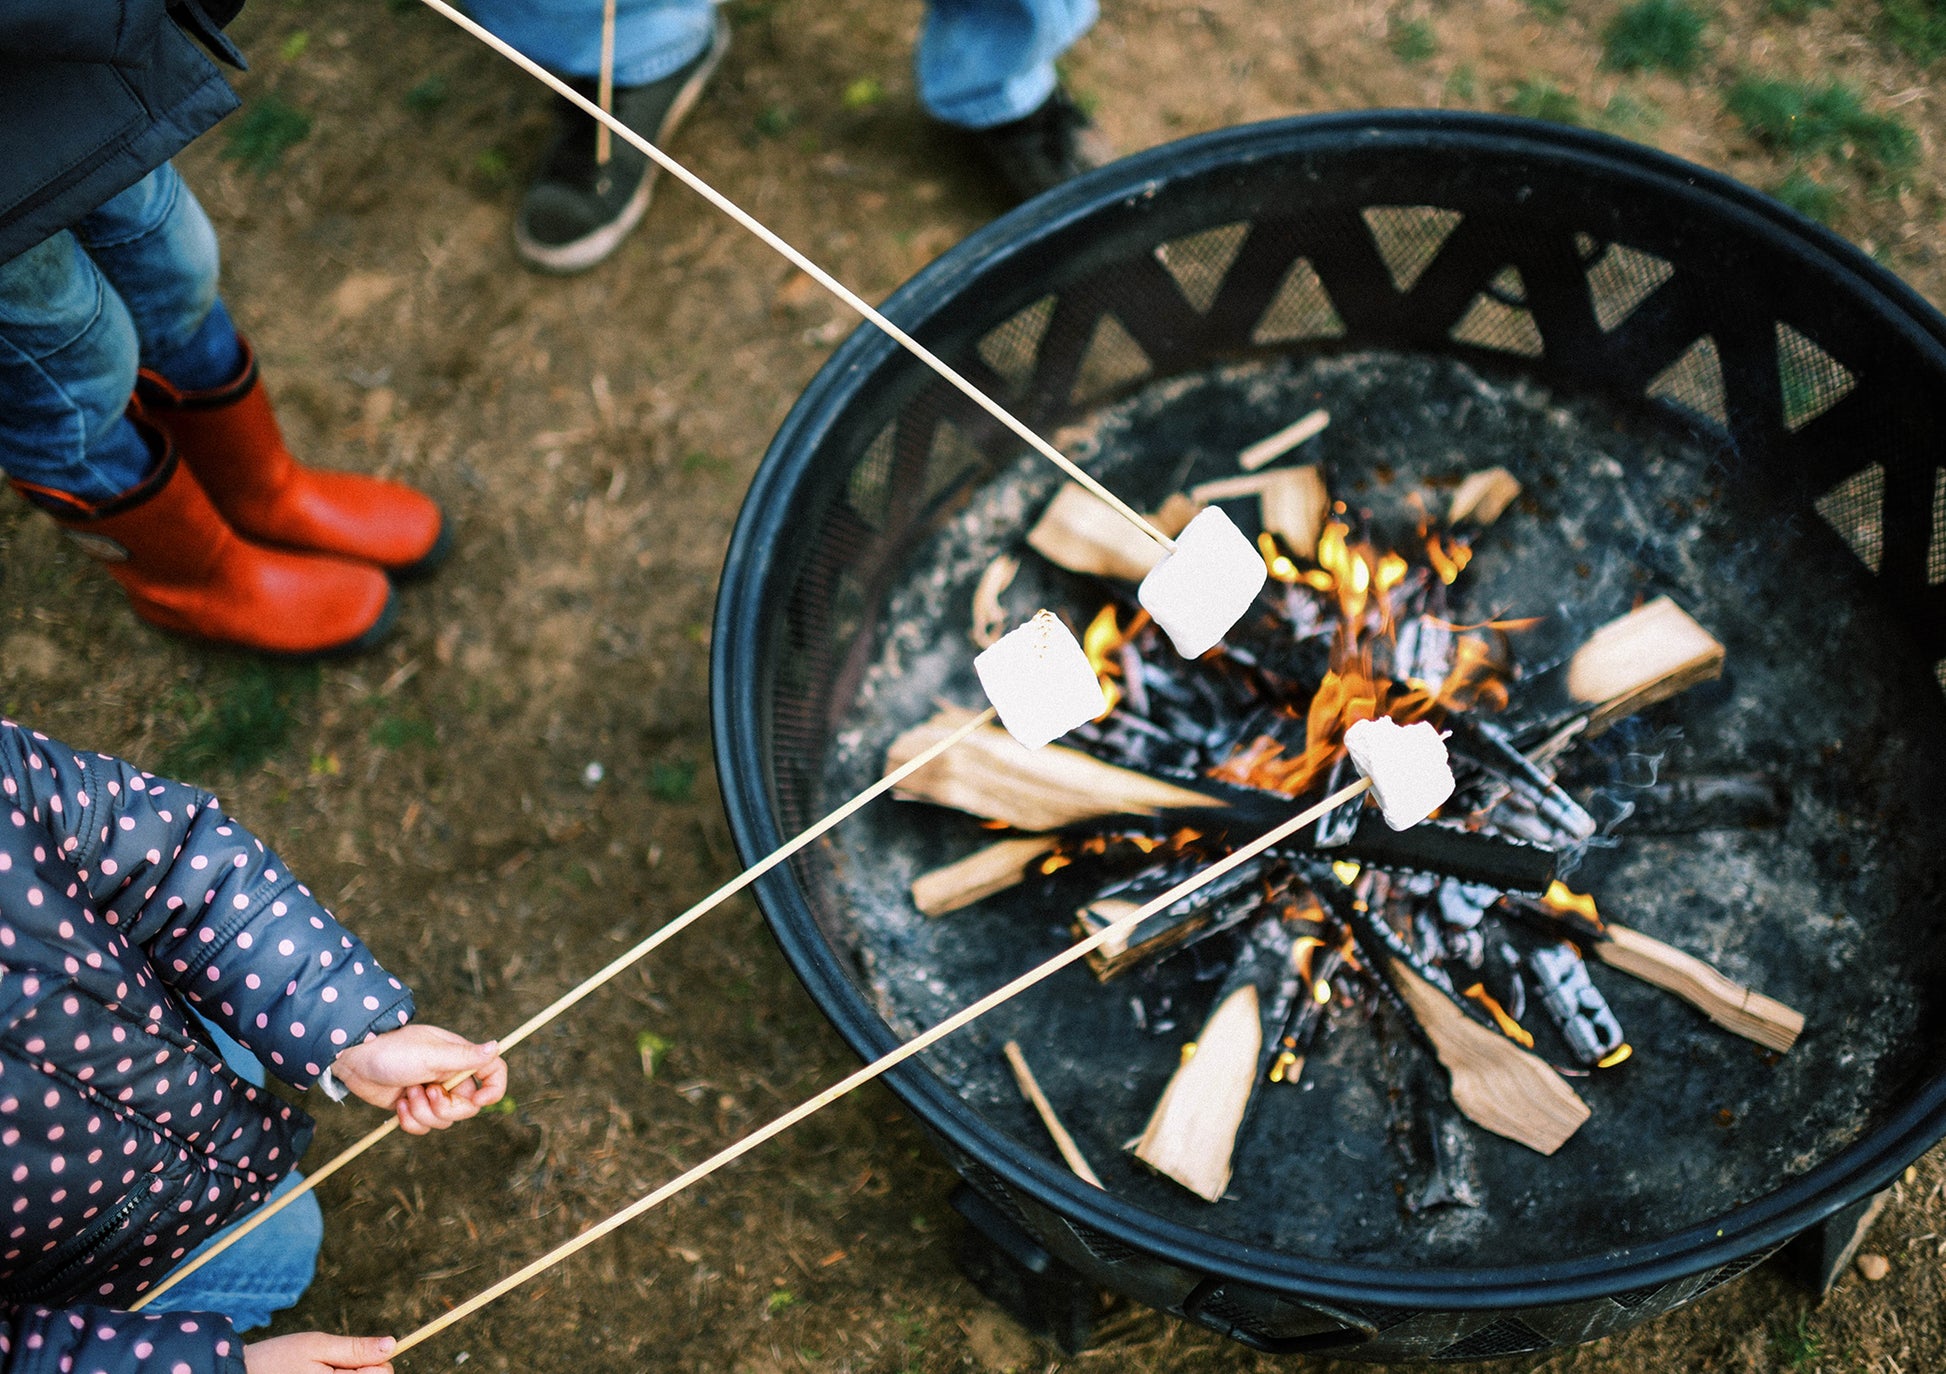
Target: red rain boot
x: 185, y: 569
x: 229, y: 438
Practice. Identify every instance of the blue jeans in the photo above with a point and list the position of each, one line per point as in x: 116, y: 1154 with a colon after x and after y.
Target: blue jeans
x: 980, y: 62
x: 269, y: 1269
x: 131, y: 285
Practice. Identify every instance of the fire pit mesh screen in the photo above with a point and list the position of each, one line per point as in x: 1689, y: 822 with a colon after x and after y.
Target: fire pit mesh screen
x: 1797, y: 391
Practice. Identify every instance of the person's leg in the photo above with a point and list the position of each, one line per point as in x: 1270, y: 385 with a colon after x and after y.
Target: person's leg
x: 987, y: 66
x: 579, y: 209
x: 67, y: 365
x: 653, y: 38
x: 264, y: 1272
x: 199, y: 384
x: 983, y: 63
x: 155, y: 244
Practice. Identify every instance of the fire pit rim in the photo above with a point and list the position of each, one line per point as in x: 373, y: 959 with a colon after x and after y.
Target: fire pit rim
x: 742, y: 754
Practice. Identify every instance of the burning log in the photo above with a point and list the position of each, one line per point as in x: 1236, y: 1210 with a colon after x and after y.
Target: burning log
x: 1496, y: 1084
x: 1193, y: 1130
x: 1578, y: 1009
x: 992, y: 776
x: 1646, y: 656
x: 1235, y: 898
x: 1080, y: 532
x: 1031, y: 1090
x: 1723, y: 1000
x: 1726, y: 1002
x: 979, y: 875
x: 1293, y: 503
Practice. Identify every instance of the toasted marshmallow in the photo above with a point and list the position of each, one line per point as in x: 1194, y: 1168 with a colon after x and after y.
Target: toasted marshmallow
x: 1407, y: 766
x: 1203, y: 588
x: 1040, y: 681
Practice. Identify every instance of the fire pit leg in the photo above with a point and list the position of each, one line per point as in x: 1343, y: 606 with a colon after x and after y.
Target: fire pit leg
x: 1817, y: 1257
x: 1038, y: 1291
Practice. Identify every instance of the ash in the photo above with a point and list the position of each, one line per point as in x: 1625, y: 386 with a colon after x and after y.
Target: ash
x: 1364, y: 1158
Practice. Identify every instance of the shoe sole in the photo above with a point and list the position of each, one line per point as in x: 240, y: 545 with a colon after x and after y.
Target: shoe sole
x: 583, y: 253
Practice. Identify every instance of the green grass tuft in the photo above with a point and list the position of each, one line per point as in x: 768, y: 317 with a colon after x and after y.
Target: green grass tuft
x: 1807, y: 121
x: 1796, y: 9
x: 427, y: 96
x: 1916, y: 28
x: 266, y: 131
x: 1412, y: 40
x: 246, y: 720
x: 1545, y: 100
x: 1651, y: 35
x: 1553, y: 11
x: 672, y: 782
x: 1808, y: 196
x: 401, y: 732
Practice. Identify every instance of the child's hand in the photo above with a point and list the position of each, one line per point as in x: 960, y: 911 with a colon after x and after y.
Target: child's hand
x: 404, y: 1070
x: 313, y: 1352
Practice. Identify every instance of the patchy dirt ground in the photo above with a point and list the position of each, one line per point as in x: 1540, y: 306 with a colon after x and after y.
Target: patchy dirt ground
x: 592, y: 439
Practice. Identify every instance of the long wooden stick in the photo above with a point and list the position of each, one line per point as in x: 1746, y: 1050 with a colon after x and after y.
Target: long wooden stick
x: 806, y: 266
x: 605, y: 87
x: 576, y: 993
x: 878, y: 1067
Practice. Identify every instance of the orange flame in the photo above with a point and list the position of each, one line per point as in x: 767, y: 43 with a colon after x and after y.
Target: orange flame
x: 1509, y: 1027
x: 1561, y: 898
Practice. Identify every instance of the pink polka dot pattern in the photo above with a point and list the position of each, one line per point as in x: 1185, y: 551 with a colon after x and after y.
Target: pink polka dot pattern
x: 127, y: 1140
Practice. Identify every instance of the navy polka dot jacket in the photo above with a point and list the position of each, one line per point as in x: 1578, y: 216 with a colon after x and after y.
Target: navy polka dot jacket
x: 125, y: 1139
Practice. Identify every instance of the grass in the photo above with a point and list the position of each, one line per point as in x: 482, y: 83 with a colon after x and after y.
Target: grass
x: 1808, y: 196
x: 1652, y: 35
x: 1828, y: 120
x: 1916, y: 28
x: 266, y: 131
x: 1799, y: 1347
x: 1551, y: 10
x: 1545, y: 100
x: 1411, y: 40
x: 246, y: 719
x: 1796, y: 9
x: 672, y: 782
x: 400, y: 732
x: 427, y: 96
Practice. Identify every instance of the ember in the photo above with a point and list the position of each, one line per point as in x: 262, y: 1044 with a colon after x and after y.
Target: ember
x: 1461, y: 921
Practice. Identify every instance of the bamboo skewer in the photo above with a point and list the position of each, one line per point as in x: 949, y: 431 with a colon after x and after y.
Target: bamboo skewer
x: 806, y: 266
x: 605, y: 90
x: 878, y: 1067
x: 581, y: 990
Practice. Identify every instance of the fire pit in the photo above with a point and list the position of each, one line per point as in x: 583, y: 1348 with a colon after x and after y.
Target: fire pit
x: 1703, y: 398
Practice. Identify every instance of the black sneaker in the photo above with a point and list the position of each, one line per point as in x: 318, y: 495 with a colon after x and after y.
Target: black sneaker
x: 576, y: 213
x: 1042, y: 150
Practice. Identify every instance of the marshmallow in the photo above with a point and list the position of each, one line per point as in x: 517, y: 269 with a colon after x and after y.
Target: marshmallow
x: 1407, y: 766
x: 1198, y: 592
x: 1040, y: 681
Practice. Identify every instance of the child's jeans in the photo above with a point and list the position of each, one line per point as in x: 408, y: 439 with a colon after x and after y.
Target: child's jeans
x: 132, y: 285
x: 269, y: 1269
x: 980, y: 62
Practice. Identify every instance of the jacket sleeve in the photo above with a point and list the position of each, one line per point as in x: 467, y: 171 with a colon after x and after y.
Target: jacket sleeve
x: 103, y: 1340
x: 220, y: 917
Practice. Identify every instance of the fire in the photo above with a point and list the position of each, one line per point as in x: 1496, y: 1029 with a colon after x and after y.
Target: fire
x: 1103, y: 642
x: 1562, y: 899
x: 1509, y: 1027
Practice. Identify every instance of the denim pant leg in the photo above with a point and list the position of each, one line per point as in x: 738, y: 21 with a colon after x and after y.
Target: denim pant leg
x: 652, y: 37
x: 265, y: 1272
x: 68, y: 354
x: 269, y: 1269
x: 157, y: 248
x: 987, y: 62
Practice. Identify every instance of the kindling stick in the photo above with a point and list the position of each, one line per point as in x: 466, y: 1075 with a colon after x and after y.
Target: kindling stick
x: 579, y: 991
x: 878, y: 1067
x: 605, y: 91
x: 806, y: 266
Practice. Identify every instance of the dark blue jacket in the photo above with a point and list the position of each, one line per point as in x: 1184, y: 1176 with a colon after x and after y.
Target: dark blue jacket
x: 124, y: 1139
x: 95, y: 95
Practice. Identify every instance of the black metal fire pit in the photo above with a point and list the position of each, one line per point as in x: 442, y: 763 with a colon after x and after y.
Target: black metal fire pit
x: 1705, y: 395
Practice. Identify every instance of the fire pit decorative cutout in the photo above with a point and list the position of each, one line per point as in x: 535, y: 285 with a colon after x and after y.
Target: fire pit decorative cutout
x: 1701, y: 399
